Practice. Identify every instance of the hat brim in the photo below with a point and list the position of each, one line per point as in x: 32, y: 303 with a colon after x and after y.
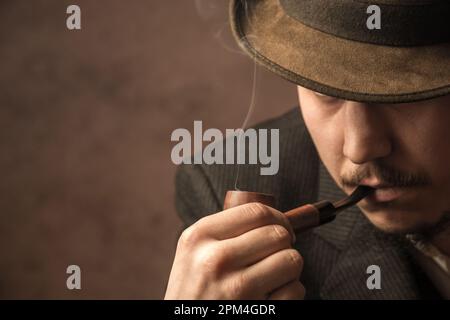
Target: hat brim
x: 335, y: 66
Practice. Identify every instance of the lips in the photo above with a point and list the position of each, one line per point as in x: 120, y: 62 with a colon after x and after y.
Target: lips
x: 383, y: 192
x: 386, y: 194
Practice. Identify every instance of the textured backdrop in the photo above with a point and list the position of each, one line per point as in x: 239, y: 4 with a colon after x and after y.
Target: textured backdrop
x: 85, y: 123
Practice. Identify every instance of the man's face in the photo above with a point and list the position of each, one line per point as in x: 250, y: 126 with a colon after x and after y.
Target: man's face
x: 403, y: 150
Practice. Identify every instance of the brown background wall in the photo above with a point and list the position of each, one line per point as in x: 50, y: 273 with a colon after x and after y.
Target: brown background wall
x: 85, y: 123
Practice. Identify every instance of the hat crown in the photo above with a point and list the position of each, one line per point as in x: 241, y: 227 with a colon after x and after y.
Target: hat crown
x: 401, y: 22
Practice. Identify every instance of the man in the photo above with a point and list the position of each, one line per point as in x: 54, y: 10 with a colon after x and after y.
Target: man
x: 374, y: 110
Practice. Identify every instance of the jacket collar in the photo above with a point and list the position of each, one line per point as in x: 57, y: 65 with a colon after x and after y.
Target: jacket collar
x: 360, y: 245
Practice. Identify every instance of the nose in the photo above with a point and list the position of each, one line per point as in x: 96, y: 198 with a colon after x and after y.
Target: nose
x: 366, y: 136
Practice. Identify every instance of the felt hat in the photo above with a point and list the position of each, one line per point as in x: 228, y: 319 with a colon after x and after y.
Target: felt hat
x: 375, y: 51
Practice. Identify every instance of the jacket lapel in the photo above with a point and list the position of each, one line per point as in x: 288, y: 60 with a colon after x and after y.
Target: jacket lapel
x: 360, y: 245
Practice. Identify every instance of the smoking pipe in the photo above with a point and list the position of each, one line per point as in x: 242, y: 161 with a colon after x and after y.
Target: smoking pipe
x: 306, y: 216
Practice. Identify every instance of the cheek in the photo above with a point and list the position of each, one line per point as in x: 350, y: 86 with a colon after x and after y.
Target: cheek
x: 326, y: 134
x: 426, y: 146
x: 427, y: 142
x: 436, y: 157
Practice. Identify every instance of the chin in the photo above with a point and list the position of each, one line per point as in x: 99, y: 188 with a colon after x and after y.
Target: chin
x: 399, y: 223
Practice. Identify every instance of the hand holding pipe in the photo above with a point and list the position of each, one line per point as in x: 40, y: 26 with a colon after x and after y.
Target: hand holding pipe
x: 306, y: 216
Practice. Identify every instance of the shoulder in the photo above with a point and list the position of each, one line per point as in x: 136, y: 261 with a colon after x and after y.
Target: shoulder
x: 201, y: 189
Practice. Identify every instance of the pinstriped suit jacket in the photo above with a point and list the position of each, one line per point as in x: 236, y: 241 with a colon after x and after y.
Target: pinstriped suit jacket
x: 336, y: 255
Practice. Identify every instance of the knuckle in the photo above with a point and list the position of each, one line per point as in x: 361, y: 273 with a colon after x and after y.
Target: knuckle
x: 211, y: 261
x: 281, y: 217
x: 259, y: 211
x: 295, y: 259
x: 280, y: 235
x: 191, y: 236
x: 266, y: 215
x: 236, y: 287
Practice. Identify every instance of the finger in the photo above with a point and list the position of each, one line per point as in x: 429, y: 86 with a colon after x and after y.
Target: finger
x: 235, y: 221
x: 257, y: 244
x: 274, y: 271
x: 291, y: 291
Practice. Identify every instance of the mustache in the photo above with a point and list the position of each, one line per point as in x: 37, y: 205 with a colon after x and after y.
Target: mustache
x: 387, y: 175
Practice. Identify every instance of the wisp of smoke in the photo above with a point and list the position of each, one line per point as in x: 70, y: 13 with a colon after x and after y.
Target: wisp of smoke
x: 208, y: 10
